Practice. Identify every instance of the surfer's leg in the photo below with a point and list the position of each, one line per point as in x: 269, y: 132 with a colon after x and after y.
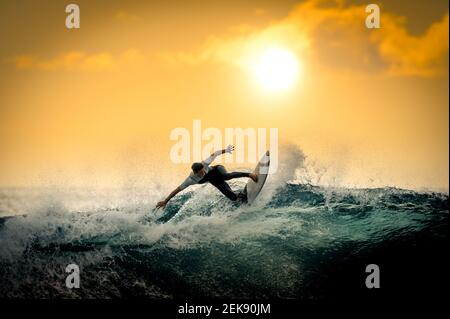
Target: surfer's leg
x: 228, y: 176
x: 232, y: 175
x: 225, y: 189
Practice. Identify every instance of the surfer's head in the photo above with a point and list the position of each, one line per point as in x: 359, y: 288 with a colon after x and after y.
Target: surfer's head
x: 198, y: 169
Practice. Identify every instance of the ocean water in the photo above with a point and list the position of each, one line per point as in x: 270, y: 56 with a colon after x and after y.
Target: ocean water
x: 297, y: 241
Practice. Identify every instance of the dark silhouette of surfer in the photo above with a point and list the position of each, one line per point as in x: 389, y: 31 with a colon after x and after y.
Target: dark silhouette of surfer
x: 217, y: 175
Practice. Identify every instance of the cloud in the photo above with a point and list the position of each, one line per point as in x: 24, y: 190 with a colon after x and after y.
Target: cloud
x: 424, y: 55
x: 331, y: 35
x: 81, y: 61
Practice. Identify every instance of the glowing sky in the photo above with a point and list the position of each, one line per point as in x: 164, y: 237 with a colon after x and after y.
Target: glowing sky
x: 95, y: 106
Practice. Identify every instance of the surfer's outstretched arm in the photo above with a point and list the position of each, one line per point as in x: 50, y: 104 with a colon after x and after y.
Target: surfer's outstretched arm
x: 163, y: 203
x: 190, y: 181
x: 212, y: 157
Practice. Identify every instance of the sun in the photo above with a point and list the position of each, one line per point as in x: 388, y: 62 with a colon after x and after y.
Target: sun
x: 276, y: 69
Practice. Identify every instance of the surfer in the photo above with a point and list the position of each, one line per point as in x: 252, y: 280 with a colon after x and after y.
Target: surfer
x: 216, y: 175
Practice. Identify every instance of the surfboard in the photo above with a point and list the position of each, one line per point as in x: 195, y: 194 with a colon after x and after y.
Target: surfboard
x: 253, y: 189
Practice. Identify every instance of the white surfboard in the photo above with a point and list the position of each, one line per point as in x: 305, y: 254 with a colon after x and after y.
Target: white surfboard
x: 262, y: 169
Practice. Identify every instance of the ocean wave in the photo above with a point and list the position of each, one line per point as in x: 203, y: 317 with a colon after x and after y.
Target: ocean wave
x: 135, y: 251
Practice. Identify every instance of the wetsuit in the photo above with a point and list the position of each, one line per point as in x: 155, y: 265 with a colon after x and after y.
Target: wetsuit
x: 218, y: 176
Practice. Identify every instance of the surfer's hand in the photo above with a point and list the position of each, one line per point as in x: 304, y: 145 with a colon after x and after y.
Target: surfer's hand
x: 162, y: 204
x: 229, y: 149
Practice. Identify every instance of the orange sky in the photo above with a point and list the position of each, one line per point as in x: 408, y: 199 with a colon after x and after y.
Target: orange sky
x: 95, y: 106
